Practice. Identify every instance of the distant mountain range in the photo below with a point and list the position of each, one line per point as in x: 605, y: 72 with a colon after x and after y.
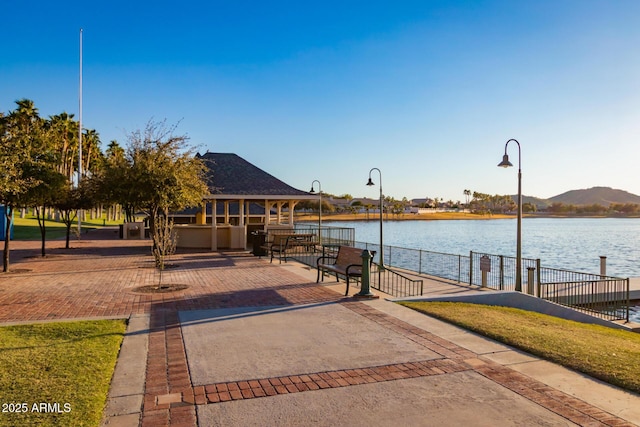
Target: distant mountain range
x: 597, y: 195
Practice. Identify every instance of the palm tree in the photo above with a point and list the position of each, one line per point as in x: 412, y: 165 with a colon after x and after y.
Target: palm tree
x: 368, y: 208
x: 467, y: 195
x: 114, y: 150
x: 63, y: 134
x: 91, y: 150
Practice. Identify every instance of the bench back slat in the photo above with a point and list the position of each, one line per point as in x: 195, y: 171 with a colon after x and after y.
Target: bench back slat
x: 348, y: 255
x: 279, y: 239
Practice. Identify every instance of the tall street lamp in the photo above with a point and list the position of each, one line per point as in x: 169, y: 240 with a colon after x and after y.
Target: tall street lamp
x: 505, y: 163
x: 370, y: 183
x: 312, y: 191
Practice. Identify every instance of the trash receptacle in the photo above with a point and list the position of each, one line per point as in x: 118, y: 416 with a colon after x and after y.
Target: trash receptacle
x: 259, y: 239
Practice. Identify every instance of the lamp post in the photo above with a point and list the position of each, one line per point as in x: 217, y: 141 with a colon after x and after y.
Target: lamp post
x: 505, y: 163
x: 370, y: 183
x: 312, y: 191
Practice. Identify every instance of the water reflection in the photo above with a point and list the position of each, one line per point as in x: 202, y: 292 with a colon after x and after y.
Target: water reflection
x: 567, y: 243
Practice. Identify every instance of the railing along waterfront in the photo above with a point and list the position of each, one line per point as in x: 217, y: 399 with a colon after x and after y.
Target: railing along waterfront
x: 328, y: 235
x: 324, y: 243
x: 607, y: 297
x: 394, y: 283
x: 385, y: 280
x: 443, y: 265
x: 604, y: 296
x: 459, y: 268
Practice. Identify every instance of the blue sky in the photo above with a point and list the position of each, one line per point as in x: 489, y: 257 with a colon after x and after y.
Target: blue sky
x: 426, y: 91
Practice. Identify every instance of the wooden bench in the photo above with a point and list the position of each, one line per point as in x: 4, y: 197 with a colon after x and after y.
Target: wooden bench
x: 348, y: 263
x: 281, y: 244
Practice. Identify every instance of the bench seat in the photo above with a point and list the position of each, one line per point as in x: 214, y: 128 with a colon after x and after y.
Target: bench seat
x: 347, y: 263
x: 281, y: 244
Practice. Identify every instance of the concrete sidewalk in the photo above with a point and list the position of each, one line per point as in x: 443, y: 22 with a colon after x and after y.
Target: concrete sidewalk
x: 253, y: 343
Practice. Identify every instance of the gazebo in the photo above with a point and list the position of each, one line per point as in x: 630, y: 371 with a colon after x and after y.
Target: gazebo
x: 242, y: 199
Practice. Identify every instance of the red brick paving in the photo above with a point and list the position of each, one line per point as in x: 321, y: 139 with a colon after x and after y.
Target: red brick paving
x: 98, y: 277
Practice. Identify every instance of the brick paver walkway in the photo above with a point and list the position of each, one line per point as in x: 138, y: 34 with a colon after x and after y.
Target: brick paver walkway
x: 99, y: 277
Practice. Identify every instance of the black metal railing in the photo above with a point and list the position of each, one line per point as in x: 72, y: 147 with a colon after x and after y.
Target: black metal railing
x: 394, y: 283
x: 499, y: 271
x: 604, y: 296
x: 329, y: 235
x: 607, y: 297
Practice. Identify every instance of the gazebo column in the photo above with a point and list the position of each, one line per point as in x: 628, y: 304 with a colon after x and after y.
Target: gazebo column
x: 292, y: 204
x: 241, y: 235
x: 241, y: 212
x: 279, y: 213
x: 214, y: 226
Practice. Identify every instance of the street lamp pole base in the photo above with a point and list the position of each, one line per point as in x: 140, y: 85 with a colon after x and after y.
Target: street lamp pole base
x: 366, y: 296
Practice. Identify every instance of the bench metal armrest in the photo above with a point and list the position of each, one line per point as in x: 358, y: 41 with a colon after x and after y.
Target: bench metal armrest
x: 325, y: 257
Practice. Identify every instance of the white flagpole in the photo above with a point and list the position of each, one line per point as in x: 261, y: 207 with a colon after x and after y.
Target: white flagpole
x: 80, y: 135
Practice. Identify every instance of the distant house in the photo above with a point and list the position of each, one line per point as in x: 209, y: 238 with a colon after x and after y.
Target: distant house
x: 242, y: 199
x: 365, y: 201
x: 338, y: 203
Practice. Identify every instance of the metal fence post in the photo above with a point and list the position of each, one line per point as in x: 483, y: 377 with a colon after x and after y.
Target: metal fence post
x: 628, y: 299
x: 501, y: 272
x: 530, y: 280
x: 603, y: 265
x: 470, y: 268
x: 539, y: 282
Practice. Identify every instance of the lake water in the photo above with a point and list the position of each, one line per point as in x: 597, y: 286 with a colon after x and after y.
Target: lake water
x: 568, y: 243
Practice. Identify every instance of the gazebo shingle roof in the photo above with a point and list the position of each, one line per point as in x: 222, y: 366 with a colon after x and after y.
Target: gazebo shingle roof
x: 231, y: 174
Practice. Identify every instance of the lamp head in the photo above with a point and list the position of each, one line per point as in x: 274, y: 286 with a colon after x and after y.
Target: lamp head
x: 312, y: 191
x: 505, y: 163
x: 370, y: 183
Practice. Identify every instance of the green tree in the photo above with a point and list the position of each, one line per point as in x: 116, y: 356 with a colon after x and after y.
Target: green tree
x: 556, y: 207
x: 397, y: 208
x: 480, y: 203
x: 91, y: 153
x: 21, y: 140
x: 117, y: 183
x: 164, y: 170
x: 70, y: 199
x: 164, y: 243
x: 467, y: 195
x: 368, y: 208
x: 62, y: 132
x: 50, y: 183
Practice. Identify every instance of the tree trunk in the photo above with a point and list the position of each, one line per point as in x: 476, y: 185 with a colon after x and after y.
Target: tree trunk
x: 66, y: 245
x: 43, y: 230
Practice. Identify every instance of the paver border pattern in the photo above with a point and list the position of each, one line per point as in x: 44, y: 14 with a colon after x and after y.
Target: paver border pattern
x: 96, y: 280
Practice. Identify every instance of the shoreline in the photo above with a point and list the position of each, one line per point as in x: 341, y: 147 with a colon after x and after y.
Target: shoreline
x: 403, y: 217
x: 439, y: 216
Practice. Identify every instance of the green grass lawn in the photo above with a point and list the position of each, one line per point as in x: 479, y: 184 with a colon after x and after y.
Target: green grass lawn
x: 57, y: 374
x: 27, y: 228
x: 611, y: 355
